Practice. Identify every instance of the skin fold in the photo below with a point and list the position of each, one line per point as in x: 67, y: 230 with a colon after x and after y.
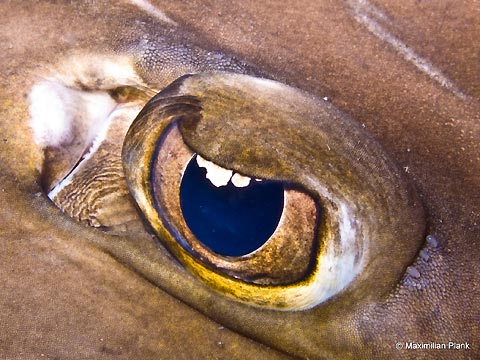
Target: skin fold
x: 405, y: 71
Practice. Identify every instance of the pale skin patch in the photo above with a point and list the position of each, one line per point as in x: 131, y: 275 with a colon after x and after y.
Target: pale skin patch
x: 368, y: 15
x: 149, y: 8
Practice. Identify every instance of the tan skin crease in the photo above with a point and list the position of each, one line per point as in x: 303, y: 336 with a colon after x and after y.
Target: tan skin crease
x: 64, y: 297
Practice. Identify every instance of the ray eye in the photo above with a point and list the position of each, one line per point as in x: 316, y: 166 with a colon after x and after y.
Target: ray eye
x: 251, y: 229
x: 268, y: 195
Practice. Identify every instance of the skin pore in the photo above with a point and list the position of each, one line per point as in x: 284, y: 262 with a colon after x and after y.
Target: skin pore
x: 70, y: 291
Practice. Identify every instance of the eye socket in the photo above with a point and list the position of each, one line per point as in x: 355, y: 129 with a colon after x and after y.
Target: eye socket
x: 350, y: 223
x: 354, y: 204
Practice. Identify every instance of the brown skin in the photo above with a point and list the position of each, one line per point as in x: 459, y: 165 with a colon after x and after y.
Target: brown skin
x: 72, y: 292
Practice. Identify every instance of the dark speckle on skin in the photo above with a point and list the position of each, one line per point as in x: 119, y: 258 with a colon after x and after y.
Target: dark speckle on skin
x: 110, y: 351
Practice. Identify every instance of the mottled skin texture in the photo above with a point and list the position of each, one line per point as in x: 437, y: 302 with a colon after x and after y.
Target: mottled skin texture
x: 70, y: 292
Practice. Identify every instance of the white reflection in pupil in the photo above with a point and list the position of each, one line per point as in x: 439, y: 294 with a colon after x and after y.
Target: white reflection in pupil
x: 229, y: 220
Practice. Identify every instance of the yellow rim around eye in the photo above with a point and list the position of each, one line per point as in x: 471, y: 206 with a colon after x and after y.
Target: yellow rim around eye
x: 364, y: 198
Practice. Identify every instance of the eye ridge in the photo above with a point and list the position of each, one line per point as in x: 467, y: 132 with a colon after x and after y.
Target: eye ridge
x: 184, y: 106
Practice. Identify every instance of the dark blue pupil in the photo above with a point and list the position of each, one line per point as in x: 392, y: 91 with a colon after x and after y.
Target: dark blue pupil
x: 229, y: 220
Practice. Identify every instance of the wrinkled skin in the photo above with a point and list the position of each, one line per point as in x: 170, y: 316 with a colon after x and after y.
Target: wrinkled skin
x: 71, y: 292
